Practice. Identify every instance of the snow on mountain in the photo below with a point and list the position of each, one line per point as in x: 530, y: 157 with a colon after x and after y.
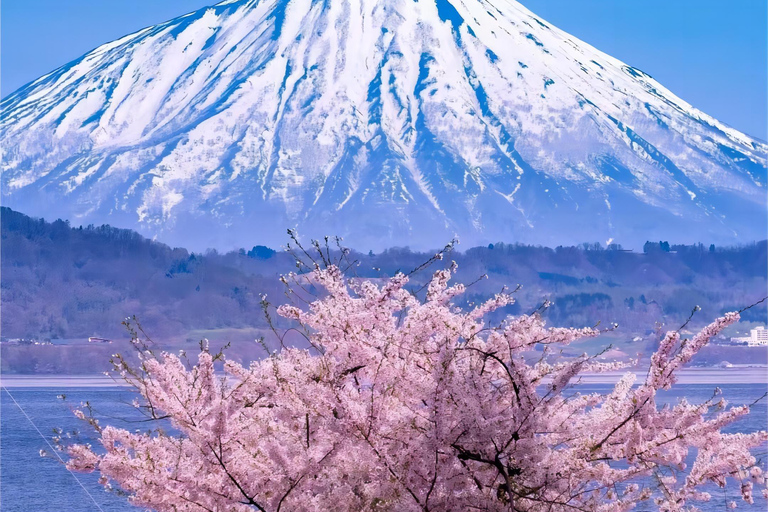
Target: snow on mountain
x: 390, y: 122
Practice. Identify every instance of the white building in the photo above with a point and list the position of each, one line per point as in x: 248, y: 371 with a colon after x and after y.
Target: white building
x: 758, y: 337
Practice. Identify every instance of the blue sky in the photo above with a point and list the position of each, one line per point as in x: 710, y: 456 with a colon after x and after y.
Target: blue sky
x: 712, y: 53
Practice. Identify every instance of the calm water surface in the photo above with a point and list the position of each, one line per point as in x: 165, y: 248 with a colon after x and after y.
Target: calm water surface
x: 30, y: 483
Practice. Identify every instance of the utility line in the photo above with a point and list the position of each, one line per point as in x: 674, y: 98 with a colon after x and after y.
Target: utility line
x: 53, y: 450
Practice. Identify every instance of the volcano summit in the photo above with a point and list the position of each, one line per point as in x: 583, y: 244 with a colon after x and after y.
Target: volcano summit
x: 389, y: 122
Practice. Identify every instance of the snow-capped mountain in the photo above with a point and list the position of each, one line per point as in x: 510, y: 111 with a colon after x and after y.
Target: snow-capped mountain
x: 390, y: 122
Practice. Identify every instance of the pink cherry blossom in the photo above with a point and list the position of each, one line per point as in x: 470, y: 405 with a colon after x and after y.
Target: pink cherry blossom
x: 407, y: 404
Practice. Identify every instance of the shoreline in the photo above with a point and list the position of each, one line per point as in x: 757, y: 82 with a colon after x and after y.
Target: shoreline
x: 703, y: 376
x: 696, y: 376
x: 60, y: 381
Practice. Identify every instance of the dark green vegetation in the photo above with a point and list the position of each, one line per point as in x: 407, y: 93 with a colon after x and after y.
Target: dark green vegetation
x: 60, y: 282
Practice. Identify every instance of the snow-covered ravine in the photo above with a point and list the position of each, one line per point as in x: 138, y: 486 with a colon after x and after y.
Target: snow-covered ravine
x: 390, y: 122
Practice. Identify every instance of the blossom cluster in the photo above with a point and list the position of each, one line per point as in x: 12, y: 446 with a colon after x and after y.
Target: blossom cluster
x: 408, y: 403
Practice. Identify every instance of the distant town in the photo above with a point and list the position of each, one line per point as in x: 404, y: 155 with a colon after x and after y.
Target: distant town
x: 54, y: 341
x: 758, y: 337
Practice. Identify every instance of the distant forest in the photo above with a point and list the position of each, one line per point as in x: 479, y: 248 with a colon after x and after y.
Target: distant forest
x: 60, y: 281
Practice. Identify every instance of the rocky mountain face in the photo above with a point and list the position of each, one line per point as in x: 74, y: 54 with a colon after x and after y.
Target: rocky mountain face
x: 389, y: 122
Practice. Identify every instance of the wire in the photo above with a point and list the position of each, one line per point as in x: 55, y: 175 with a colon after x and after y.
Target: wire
x: 53, y: 450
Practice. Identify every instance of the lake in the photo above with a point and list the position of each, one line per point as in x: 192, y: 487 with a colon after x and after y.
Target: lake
x: 30, y: 483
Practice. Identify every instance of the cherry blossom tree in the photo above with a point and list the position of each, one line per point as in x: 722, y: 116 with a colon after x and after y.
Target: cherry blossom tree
x: 403, y: 401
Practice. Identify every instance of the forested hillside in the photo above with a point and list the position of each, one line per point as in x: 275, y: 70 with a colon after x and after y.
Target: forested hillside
x: 60, y: 281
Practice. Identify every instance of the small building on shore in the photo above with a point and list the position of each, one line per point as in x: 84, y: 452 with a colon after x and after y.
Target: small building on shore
x: 758, y: 337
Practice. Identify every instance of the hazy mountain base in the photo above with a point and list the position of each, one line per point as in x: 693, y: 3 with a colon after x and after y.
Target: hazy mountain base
x: 63, y: 283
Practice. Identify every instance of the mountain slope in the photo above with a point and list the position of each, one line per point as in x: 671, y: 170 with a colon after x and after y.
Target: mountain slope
x: 388, y: 122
